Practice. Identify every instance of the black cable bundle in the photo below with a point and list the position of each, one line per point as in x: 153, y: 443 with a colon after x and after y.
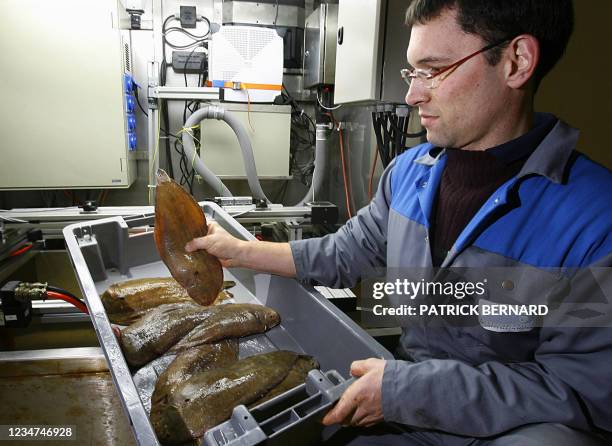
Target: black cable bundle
x: 391, y: 132
x: 301, y: 124
x: 187, y: 171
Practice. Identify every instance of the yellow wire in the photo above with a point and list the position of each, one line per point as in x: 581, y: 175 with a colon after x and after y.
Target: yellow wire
x: 184, y: 129
x: 189, y: 130
x: 249, y: 109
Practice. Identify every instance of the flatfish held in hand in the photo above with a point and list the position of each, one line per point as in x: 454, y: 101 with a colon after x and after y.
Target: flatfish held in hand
x: 178, y: 220
x: 208, y: 398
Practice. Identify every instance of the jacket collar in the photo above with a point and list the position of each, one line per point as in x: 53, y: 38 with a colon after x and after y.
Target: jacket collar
x: 549, y: 159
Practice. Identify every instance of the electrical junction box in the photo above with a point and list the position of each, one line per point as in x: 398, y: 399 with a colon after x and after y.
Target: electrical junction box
x: 191, y: 62
x: 67, y: 108
x: 188, y: 16
x: 269, y: 131
x: 371, y: 50
x: 320, y: 46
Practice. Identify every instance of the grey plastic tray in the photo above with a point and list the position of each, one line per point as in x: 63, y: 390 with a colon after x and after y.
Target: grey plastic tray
x: 104, y: 252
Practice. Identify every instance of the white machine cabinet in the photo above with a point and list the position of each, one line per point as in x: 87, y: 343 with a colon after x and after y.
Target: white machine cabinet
x: 63, y: 115
x: 268, y: 127
x: 371, y: 50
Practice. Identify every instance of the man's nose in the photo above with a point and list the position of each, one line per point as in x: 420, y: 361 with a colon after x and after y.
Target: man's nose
x: 417, y: 94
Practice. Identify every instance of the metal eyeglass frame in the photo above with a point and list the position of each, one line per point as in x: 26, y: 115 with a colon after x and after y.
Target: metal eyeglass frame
x: 426, y: 75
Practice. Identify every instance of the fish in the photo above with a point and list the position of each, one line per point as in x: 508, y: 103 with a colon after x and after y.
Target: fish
x: 295, y: 377
x: 178, y: 220
x: 172, y: 328
x: 160, y: 329
x: 190, y: 362
x: 126, y: 302
x: 229, y: 321
x: 208, y: 398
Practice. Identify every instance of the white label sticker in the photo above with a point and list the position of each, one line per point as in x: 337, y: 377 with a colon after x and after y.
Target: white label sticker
x: 11, y: 317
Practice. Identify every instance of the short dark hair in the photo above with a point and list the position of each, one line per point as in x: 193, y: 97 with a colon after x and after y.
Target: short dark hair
x: 549, y: 21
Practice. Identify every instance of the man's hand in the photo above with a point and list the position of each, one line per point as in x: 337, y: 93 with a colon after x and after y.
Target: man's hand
x: 221, y: 244
x: 274, y: 258
x: 361, y: 403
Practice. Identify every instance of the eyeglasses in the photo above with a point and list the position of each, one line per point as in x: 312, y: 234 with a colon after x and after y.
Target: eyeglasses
x: 432, y: 77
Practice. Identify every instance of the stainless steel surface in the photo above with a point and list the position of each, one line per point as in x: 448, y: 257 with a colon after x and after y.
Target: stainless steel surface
x: 182, y: 93
x: 72, y: 214
x: 55, y: 323
x: 52, y: 361
x: 40, y: 334
x: 56, y: 311
x: 10, y: 267
x: 51, y: 266
x: 63, y: 387
x: 263, y: 13
x: 320, y: 46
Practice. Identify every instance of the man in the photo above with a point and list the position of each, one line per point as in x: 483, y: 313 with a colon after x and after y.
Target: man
x: 496, y: 185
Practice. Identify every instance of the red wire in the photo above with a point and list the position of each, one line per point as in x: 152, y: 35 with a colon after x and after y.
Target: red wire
x: 71, y: 300
x: 21, y: 250
x: 73, y: 197
x: 346, y: 193
x: 372, y: 173
x: 102, y: 197
x: 348, y: 170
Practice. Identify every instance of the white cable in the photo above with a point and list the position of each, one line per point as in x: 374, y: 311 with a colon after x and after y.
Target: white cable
x: 314, y: 172
x: 238, y: 214
x: 276, y: 16
x: 13, y: 220
x: 27, y: 211
x: 327, y: 108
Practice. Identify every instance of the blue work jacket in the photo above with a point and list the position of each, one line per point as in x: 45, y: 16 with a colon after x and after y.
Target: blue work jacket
x: 485, y: 380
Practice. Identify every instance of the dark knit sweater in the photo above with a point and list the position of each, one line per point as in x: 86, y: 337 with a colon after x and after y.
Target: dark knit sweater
x: 471, y: 177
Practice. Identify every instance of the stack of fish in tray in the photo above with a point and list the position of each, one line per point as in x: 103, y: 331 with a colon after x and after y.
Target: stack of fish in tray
x: 181, y: 332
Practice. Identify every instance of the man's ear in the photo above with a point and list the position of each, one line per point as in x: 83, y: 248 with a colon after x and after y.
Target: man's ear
x: 521, y: 59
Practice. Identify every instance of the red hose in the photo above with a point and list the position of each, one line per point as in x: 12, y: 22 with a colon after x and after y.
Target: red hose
x: 21, y: 250
x: 346, y: 192
x: 71, y: 300
x: 370, y: 191
x: 346, y: 187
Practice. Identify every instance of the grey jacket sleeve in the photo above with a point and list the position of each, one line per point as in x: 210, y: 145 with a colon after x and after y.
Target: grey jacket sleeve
x: 568, y: 382
x: 340, y: 259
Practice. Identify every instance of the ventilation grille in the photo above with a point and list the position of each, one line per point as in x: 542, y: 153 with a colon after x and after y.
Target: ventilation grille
x: 126, y: 57
x: 248, y: 44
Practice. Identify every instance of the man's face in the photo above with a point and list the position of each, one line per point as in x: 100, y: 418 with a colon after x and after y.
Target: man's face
x: 465, y: 108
